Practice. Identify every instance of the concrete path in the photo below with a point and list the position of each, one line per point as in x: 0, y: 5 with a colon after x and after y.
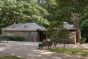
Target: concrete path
x: 29, y: 51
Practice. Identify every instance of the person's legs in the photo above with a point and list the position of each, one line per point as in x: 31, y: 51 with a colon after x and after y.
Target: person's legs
x: 39, y: 46
x: 49, y: 44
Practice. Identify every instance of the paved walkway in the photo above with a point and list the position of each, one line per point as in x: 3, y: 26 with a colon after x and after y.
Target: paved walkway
x: 29, y: 51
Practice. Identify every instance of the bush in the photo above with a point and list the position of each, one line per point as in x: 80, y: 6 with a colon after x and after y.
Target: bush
x: 12, y: 38
x: 2, y: 38
x: 82, y: 40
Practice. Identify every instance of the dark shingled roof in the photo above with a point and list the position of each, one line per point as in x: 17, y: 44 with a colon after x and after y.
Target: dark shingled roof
x: 24, y: 27
x: 68, y: 26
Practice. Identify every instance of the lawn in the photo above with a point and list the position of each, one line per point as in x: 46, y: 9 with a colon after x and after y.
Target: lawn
x: 10, y: 57
x: 71, y: 51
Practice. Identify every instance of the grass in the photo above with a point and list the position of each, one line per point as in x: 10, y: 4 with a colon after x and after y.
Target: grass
x: 10, y: 57
x: 71, y: 51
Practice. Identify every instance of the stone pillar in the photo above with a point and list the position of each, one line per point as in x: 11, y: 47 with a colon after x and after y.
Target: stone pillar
x: 72, y: 37
x: 75, y: 18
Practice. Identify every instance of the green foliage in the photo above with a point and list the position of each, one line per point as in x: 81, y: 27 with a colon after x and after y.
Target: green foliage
x: 63, y: 34
x: 82, y: 40
x: 10, y: 57
x: 84, y: 23
x: 11, y: 38
x: 52, y: 31
x: 71, y: 51
x: 21, y: 11
x: 84, y: 29
x: 56, y: 31
x: 52, y: 10
x: 60, y: 10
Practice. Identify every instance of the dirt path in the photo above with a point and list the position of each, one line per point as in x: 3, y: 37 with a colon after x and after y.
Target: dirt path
x: 30, y: 51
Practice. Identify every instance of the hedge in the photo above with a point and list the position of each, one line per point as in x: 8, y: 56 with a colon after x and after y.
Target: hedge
x: 12, y: 38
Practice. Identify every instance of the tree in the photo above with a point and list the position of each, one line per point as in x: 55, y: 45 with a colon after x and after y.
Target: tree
x: 84, y: 29
x: 63, y: 36
x: 22, y: 11
x: 60, y: 10
x: 56, y: 32
x: 64, y: 8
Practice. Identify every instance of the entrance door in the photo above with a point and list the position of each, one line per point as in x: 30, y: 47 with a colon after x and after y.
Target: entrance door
x: 41, y: 35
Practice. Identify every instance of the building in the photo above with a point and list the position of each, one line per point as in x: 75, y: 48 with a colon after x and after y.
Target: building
x: 30, y: 31
x: 33, y: 32
x: 72, y: 33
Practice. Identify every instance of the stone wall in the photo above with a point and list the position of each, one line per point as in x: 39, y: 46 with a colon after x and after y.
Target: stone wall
x: 28, y: 35
x: 33, y: 36
x: 71, y: 39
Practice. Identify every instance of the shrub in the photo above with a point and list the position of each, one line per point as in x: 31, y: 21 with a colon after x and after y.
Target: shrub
x: 82, y: 40
x: 12, y: 38
x: 6, y: 38
x: 15, y: 38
